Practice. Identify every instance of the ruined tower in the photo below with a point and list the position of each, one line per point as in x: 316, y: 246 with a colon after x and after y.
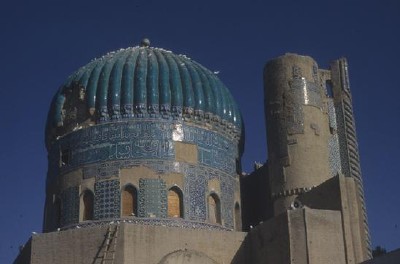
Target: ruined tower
x: 297, y: 128
x: 311, y: 141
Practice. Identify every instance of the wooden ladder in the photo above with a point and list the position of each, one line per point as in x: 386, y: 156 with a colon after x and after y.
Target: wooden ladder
x: 110, y: 244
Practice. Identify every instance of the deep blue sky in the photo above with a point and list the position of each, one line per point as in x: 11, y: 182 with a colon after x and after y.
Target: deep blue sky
x: 42, y: 42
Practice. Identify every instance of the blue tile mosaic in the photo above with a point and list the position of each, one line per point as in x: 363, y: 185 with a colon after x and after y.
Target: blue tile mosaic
x: 102, y: 151
x: 70, y: 206
x: 107, y: 199
x: 195, y: 189
x: 144, y: 140
x: 152, y: 198
x: 227, y: 202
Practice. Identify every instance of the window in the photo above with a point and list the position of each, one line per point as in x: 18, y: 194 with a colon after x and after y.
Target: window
x: 214, y: 209
x: 129, y: 201
x: 175, y: 204
x: 88, y: 201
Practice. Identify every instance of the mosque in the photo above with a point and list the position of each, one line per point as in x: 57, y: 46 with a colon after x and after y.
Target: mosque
x: 144, y: 166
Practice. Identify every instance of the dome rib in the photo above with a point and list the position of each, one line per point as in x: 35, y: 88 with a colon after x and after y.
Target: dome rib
x: 164, y: 90
x: 140, y: 91
x: 141, y: 82
x: 92, y: 86
x: 175, y: 86
x: 187, y: 88
x: 208, y: 94
x: 127, y: 84
x: 102, y: 90
x: 197, y: 90
x: 152, y: 84
x: 115, y: 88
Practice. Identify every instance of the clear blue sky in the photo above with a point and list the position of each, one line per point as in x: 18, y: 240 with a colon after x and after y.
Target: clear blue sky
x: 42, y: 42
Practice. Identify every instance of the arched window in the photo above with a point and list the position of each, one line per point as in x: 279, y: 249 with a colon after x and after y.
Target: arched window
x: 175, y: 202
x: 88, y: 202
x: 214, y: 209
x: 129, y: 201
x: 238, y: 218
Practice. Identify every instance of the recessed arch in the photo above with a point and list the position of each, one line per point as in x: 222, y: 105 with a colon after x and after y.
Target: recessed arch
x: 129, y: 200
x: 214, y: 209
x: 175, y: 202
x: 187, y: 257
x: 88, y: 205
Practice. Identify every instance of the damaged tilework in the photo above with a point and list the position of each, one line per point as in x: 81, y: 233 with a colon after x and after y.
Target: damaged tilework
x: 302, y: 92
x: 141, y: 141
x: 102, y: 151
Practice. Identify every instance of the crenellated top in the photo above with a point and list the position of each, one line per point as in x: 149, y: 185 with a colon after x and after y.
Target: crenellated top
x: 141, y: 82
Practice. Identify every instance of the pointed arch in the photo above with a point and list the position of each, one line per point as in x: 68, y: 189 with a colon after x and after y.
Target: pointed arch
x: 88, y: 205
x: 214, y: 209
x: 175, y: 202
x: 129, y: 200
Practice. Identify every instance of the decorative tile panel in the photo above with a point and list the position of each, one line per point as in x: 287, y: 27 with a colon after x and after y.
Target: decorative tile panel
x: 227, y: 202
x: 152, y: 198
x: 107, y: 199
x: 196, y: 190
x: 70, y: 206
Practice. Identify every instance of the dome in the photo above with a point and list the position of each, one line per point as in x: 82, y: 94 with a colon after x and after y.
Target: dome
x: 141, y: 82
x: 146, y: 135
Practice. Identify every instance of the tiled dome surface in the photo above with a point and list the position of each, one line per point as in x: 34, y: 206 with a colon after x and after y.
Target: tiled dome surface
x: 141, y: 82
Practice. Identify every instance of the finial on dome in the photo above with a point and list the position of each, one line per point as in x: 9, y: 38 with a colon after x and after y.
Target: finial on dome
x: 145, y: 42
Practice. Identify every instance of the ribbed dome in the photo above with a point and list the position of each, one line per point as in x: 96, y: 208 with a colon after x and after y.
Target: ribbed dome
x: 141, y: 82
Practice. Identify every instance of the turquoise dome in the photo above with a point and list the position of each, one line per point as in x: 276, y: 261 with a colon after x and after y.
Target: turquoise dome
x: 141, y: 82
